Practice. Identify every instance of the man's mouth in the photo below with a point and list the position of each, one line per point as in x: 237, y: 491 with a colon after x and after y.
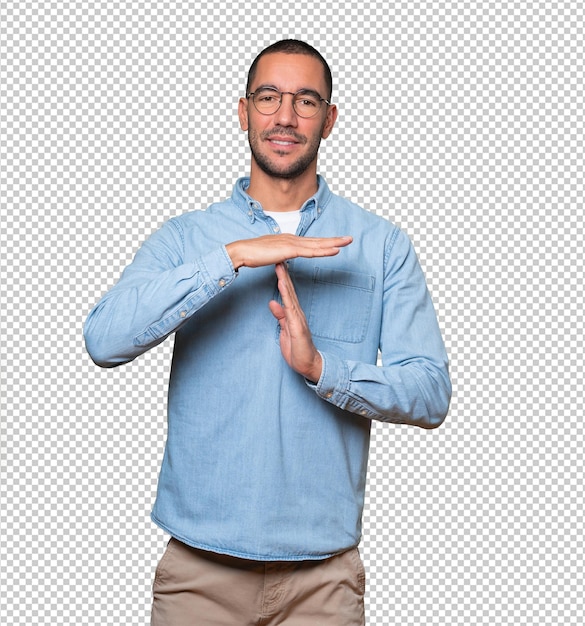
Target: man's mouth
x: 283, y: 139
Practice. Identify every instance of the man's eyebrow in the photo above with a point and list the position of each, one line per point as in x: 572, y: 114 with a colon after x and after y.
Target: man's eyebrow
x: 309, y: 92
x: 266, y: 86
x: 304, y: 90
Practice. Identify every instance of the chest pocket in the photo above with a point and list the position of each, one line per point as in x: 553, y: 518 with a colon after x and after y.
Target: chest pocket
x: 340, y: 303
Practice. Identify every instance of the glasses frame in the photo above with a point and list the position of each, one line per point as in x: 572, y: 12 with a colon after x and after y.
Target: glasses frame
x: 290, y: 93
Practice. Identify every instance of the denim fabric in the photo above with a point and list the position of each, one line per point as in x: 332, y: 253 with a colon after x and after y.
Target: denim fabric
x: 260, y: 463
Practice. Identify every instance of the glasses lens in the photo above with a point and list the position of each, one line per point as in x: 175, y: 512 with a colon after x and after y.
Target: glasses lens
x: 306, y: 105
x: 267, y: 100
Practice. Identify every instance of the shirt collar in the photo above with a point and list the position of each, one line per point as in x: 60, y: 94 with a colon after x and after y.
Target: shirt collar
x: 316, y: 204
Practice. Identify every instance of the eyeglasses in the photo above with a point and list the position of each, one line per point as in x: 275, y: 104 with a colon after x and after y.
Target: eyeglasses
x: 305, y: 103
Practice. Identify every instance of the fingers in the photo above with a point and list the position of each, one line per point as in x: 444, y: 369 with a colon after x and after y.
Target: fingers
x: 338, y: 242
x: 272, y: 249
x: 296, y: 343
x: 289, y: 312
x: 326, y: 246
x: 286, y: 288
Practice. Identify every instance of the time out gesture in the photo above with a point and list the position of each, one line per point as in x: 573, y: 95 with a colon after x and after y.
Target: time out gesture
x: 296, y: 343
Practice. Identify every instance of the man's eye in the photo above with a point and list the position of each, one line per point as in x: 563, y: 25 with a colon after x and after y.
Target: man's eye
x: 307, y: 103
x: 267, y: 95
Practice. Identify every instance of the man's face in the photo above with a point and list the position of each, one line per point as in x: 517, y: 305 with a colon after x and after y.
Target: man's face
x: 283, y: 144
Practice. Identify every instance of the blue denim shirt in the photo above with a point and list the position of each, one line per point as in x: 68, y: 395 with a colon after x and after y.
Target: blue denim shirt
x: 260, y: 463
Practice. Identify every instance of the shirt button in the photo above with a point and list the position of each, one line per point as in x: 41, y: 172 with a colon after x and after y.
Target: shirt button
x: 222, y: 283
x: 183, y: 313
x: 363, y: 412
x: 329, y: 394
x: 276, y: 229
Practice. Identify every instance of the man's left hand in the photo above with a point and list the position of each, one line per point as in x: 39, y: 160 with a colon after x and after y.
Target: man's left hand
x: 296, y: 342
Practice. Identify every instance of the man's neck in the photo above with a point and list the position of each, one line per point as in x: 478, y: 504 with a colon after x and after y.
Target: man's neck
x: 277, y: 194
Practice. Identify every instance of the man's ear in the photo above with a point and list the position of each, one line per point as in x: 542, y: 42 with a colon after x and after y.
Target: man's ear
x: 243, y: 113
x: 329, y: 120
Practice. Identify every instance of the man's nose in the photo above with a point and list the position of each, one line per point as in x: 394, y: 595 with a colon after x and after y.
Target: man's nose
x: 286, y: 115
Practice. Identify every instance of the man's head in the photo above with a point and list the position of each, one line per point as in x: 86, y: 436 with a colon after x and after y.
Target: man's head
x: 285, y: 138
x: 293, y: 46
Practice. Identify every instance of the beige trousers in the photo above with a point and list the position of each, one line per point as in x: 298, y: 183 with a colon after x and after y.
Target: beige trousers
x: 198, y: 588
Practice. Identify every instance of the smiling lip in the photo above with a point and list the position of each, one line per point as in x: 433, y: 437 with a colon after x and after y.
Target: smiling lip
x: 283, y: 138
x: 282, y: 141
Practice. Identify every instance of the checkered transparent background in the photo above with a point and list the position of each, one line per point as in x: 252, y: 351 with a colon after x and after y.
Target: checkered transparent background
x: 460, y: 121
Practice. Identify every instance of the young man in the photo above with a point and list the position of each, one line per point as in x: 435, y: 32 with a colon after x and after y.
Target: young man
x: 280, y: 299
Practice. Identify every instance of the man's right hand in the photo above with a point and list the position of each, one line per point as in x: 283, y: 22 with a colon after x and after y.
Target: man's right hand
x: 273, y: 249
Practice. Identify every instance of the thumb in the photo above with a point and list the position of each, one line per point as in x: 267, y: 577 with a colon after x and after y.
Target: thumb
x: 277, y: 310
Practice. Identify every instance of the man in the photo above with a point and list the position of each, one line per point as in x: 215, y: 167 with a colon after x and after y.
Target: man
x: 280, y: 299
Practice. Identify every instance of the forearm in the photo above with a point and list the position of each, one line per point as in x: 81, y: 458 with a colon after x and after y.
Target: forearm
x: 147, y: 306
x: 415, y: 393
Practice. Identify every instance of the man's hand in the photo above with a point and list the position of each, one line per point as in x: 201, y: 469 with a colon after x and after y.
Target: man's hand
x: 296, y: 342
x: 273, y: 249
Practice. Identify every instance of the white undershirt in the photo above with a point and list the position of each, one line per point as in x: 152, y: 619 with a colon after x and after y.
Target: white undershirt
x: 287, y: 220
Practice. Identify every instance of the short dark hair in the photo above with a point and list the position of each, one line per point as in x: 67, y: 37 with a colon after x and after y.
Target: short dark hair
x: 292, y: 46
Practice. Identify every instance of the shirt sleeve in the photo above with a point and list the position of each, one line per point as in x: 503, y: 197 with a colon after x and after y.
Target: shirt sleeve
x: 156, y: 294
x: 412, y: 384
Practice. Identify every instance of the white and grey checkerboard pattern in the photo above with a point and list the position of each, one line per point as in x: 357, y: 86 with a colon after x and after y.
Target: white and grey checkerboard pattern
x: 460, y: 121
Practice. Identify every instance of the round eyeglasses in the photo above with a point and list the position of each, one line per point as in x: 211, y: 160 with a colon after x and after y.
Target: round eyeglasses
x: 305, y: 103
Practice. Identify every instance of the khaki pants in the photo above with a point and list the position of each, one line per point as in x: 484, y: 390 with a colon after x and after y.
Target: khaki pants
x: 198, y: 588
